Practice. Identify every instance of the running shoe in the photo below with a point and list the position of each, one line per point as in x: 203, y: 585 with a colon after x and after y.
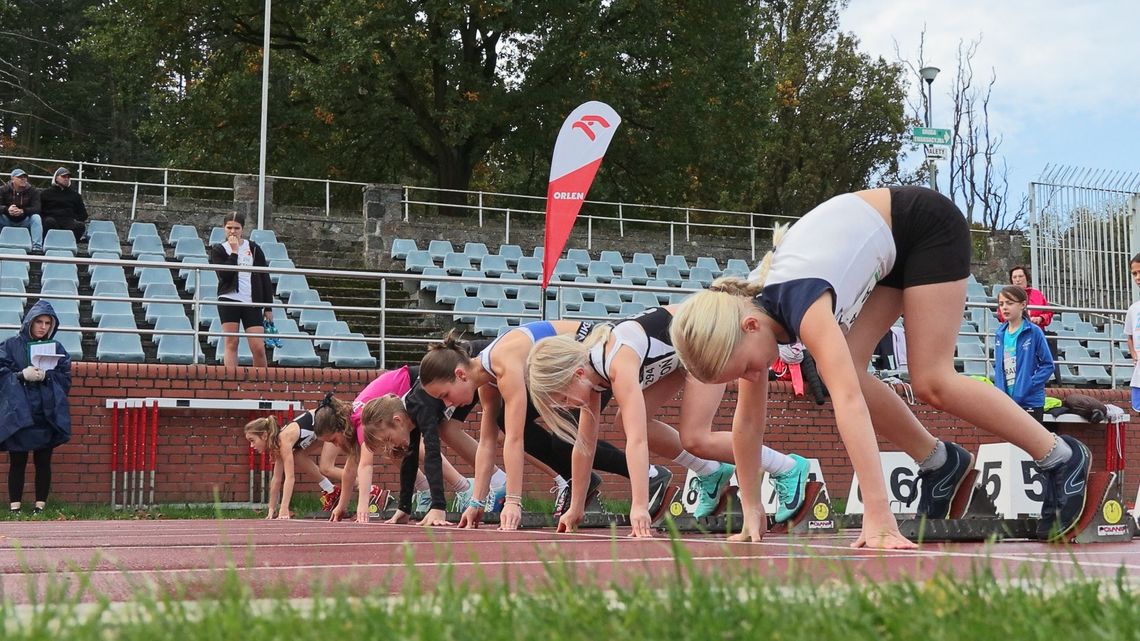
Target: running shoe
x: 1066, y: 489
x: 329, y: 499
x: 496, y: 499
x: 790, y: 488
x: 659, y: 491
x: 562, y: 500
x: 938, y: 487
x: 421, y: 501
x: 460, y: 500
x: 712, y: 487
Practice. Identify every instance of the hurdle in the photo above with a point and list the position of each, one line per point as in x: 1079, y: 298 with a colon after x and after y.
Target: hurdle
x: 134, y: 443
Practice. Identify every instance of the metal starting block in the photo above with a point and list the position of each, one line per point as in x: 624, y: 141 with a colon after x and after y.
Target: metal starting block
x: 815, y: 516
x: 974, y: 518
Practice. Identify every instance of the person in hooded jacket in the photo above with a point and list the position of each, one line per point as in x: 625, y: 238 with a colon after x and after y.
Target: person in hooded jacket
x: 61, y: 207
x: 33, y: 402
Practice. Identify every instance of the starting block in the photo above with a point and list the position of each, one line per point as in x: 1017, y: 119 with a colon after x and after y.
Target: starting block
x: 815, y: 516
x: 973, y: 518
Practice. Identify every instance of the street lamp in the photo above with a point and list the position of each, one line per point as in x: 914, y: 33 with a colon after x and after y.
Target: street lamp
x: 929, y: 74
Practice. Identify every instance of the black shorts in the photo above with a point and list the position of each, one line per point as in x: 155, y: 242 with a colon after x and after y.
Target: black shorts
x: 932, y: 239
x: 248, y: 315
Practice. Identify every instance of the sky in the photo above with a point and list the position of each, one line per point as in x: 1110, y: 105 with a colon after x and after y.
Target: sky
x: 1068, y: 73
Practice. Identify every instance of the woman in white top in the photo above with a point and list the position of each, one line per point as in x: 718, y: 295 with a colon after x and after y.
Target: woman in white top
x: 253, y: 289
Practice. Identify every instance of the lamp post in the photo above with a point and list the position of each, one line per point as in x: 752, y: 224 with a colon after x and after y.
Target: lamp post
x: 928, y: 74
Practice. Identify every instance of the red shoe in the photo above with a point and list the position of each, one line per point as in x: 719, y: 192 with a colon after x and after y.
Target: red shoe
x: 329, y: 499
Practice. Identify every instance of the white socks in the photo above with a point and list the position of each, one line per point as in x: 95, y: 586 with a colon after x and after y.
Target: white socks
x: 326, y: 485
x: 775, y: 462
x: 421, y: 482
x: 498, y: 479
x: 700, y: 466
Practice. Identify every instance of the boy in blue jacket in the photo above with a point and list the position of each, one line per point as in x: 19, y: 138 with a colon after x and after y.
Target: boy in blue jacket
x: 1022, y: 362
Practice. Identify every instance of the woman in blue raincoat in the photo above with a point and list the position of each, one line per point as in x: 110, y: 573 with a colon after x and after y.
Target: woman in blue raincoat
x: 33, y: 401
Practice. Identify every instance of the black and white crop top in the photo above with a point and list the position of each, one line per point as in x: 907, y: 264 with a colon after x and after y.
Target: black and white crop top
x: 647, y: 334
x: 307, y: 436
x: 842, y: 246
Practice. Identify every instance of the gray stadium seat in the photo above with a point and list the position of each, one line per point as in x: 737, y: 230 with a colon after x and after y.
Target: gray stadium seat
x: 646, y: 260
x: 437, y: 249
x: 327, y: 330
x: 512, y: 254
x: 600, y: 271
x: 709, y: 263
x: 310, y: 317
x: 118, y: 347
x: 351, y: 354
x: 474, y: 251
x: 141, y: 229
x: 593, y: 310
x: 580, y: 258
x: 147, y: 245
x: 463, y: 306
x: 217, y: 235
x: 612, y: 257
x: 490, y: 325
x: 531, y: 296
x: 105, y: 242
x: 671, y: 274
x: 262, y: 236
x: 494, y: 265
x: 417, y: 261
x: 301, y: 297
x: 609, y: 298
x: 738, y: 266
x: 295, y: 352
x: 529, y: 267
x: 636, y: 273
x: 456, y: 263
x: 401, y: 247
x: 180, y: 231
x: 189, y: 247
x: 16, y: 238
x: 101, y: 225
x: 490, y: 294
x: 702, y: 275
x: 60, y: 239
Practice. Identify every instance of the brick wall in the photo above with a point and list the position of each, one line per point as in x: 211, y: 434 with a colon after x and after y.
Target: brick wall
x: 201, y: 452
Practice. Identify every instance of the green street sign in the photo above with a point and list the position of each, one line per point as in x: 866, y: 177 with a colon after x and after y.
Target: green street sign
x: 929, y: 136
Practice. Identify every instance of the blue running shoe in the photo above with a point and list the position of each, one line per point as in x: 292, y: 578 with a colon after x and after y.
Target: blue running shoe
x: 938, y: 487
x: 459, y: 502
x: 790, y: 488
x: 496, y: 499
x: 421, y: 502
x: 1066, y: 489
x: 713, y: 486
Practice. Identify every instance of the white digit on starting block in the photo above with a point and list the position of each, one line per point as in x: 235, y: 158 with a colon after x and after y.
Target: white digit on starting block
x: 1011, y: 479
x: 901, y: 475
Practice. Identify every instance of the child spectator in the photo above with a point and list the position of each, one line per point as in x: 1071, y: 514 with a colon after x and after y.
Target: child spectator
x: 1022, y: 360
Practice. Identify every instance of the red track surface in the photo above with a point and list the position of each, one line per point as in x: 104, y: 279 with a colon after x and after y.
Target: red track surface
x: 298, y: 557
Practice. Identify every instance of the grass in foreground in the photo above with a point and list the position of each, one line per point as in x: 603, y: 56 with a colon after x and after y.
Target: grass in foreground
x: 564, y: 606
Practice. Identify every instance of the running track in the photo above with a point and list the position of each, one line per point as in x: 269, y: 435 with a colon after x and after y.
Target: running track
x: 297, y: 557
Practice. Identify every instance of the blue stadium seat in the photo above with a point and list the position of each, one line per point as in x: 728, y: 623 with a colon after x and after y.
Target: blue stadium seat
x: 600, y: 271
x: 646, y: 299
x: 147, y: 245
x: 15, y: 286
x: 351, y: 354
x: 72, y: 343
x: 437, y: 249
x: 169, y: 323
x: 671, y: 274
x: 310, y: 317
x: 59, y: 286
x: 701, y: 274
x: 245, y: 356
x: 490, y: 325
x: 60, y: 239
x: 566, y: 270
x: 10, y: 317
x: 463, y: 308
x: 205, y: 279
x: 513, y: 310
x: 630, y: 309
x: 290, y: 282
x: 571, y: 298
x: 431, y: 285
x: 101, y: 225
x: 14, y: 267
x: 146, y: 258
x: 539, y: 252
x: 678, y: 297
x: 174, y: 348
x: 680, y: 262
x: 263, y: 236
x: 471, y: 276
x: 141, y: 229
x: 118, y: 347
x: 12, y: 304
x: 187, y: 270
x: 494, y: 265
x: 279, y: 263
x: 60, y: 271
x: 450, y: 291
x: 613, y: 258
x: 531, y: 296
x: 179, y: 231
x: 580, y: 258
x: 610, y: 298
x: 737, y: 267
x: 647, y: 261
x: 529, y: 267
x: 418, y: 260
x: 295, y: 352
x: 709, y: 263
x: 455, y: 263
x: 475, y: 251
x: 16, y: 238
x: 104, y: 242
x: 512, y: 254
x: 401, y: 247
x: 491, y: 294
x: 636, y: 273
x: 217, y: 235
x: 328, y: 330
x: 593, y: 310
x: 301, y: 297
x: 149, y: 276
x: 189, y: 247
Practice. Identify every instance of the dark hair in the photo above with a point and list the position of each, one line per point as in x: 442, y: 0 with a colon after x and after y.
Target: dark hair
x: 1028, y: 278
x: 1135, y: 259
x: 333, y: 416
x: 234, y: 216
x: 443, y: 358
x: 1015, y: 293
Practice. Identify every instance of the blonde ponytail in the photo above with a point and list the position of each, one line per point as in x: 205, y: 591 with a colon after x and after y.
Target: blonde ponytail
x: 550, y: 366
x: 778, y: 233
x: 706, y: 327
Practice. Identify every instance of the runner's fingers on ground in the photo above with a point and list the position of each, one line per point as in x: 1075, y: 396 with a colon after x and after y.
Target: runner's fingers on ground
x: 471, y: 518
x: 509, y: 517
x: 569, y: 521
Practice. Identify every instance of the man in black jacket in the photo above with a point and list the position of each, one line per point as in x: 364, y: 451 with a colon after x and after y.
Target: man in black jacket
x: 62, y: 207
x: 20, y: 207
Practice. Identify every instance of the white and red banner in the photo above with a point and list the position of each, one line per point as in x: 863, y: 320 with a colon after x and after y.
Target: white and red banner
x: 578, y: 152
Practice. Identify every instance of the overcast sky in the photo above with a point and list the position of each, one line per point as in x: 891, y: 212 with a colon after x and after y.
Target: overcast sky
x: 1068, y: 72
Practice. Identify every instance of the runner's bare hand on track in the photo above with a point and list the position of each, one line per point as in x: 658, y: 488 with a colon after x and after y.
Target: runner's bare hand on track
x: 642, y: 524
x: 570, y: 520
x: 471, y: 518
x: 398, y: 518
x: 435, y: 518
x: 754, y: 528
x: 510, y: 516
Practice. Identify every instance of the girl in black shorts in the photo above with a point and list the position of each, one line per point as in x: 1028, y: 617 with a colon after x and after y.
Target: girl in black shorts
x: 837, y: 280
x: 254, y: 290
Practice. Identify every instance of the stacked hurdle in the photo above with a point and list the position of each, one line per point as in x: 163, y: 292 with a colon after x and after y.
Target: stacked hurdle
x: 134, y: 452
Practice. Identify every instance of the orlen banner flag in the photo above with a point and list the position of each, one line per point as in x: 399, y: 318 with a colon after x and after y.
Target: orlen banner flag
x: 578, y: 152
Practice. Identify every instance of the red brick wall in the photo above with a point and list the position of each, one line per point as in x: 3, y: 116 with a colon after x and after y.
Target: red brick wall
x: 201, y: 452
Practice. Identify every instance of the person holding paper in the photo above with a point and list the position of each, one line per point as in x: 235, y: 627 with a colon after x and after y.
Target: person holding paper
x: 35, y: 379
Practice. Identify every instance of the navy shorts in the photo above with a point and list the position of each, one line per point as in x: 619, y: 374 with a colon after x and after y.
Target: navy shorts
x: 932, y: 239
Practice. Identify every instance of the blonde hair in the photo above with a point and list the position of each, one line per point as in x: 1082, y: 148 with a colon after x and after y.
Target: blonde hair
x: 550, y: 366
x: 706, y: 328
x: 376, y: 418
x: 267, y: 429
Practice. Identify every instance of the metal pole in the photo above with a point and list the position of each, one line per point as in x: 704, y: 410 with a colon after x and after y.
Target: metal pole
x: 165, y: 186
x: 929, y: 109
x: 153, y: 449
x: 264, y: 115
x: 383, y: 318
x: 114, y: 450
x: 328, y: 197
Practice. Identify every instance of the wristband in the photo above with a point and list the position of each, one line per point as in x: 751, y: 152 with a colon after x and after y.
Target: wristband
x: 513, y: 499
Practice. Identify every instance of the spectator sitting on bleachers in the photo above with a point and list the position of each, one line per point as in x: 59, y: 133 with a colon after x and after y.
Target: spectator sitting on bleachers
x: 20, y: 207
x: 62, y: 207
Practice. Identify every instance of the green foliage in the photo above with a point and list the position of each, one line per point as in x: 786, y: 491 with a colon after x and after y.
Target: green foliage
x: 756, y: 106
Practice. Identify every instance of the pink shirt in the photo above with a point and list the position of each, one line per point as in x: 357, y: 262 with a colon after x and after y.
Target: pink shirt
x: 397, y: 382
x: 1035, y: 298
